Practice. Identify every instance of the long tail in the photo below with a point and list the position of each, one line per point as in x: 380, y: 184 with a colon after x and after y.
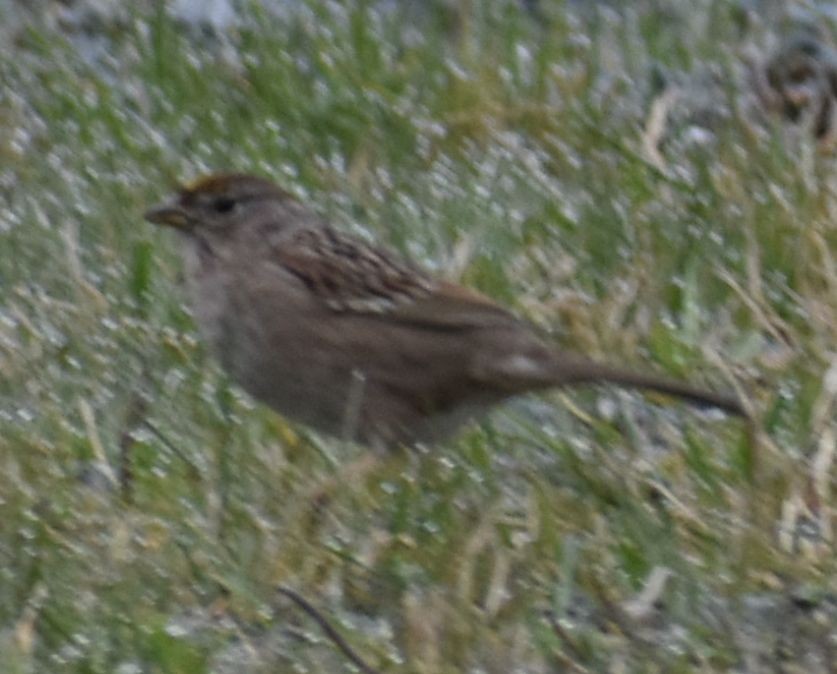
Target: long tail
x: 578, y: 370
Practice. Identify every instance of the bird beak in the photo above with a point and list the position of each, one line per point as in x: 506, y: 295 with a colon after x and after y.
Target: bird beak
x: 170, y: 214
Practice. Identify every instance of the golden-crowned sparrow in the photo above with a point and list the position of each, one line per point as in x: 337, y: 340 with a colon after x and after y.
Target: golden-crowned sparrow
x: 347, y: 337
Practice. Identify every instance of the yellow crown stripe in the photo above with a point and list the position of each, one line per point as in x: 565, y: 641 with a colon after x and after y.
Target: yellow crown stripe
x: 208, y: 183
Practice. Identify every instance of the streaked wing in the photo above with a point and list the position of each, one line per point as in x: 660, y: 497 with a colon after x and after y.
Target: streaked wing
x: 349, y: 274
x: 453, y: 307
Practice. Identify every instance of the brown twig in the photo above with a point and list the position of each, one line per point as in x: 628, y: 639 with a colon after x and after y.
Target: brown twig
x: 327, y: 628
x: 136, y: 413
x: 174, y: 449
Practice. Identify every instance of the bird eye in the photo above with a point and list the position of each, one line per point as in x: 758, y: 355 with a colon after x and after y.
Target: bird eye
x: 223, y: 204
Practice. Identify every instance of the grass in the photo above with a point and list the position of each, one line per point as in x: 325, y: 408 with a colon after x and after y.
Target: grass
x: 150, y: 509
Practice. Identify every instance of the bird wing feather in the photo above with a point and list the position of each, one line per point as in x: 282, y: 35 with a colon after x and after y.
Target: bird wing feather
x: 350, y: 275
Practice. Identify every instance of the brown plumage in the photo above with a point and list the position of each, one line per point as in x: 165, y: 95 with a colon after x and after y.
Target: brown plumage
x: 349, y: 338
